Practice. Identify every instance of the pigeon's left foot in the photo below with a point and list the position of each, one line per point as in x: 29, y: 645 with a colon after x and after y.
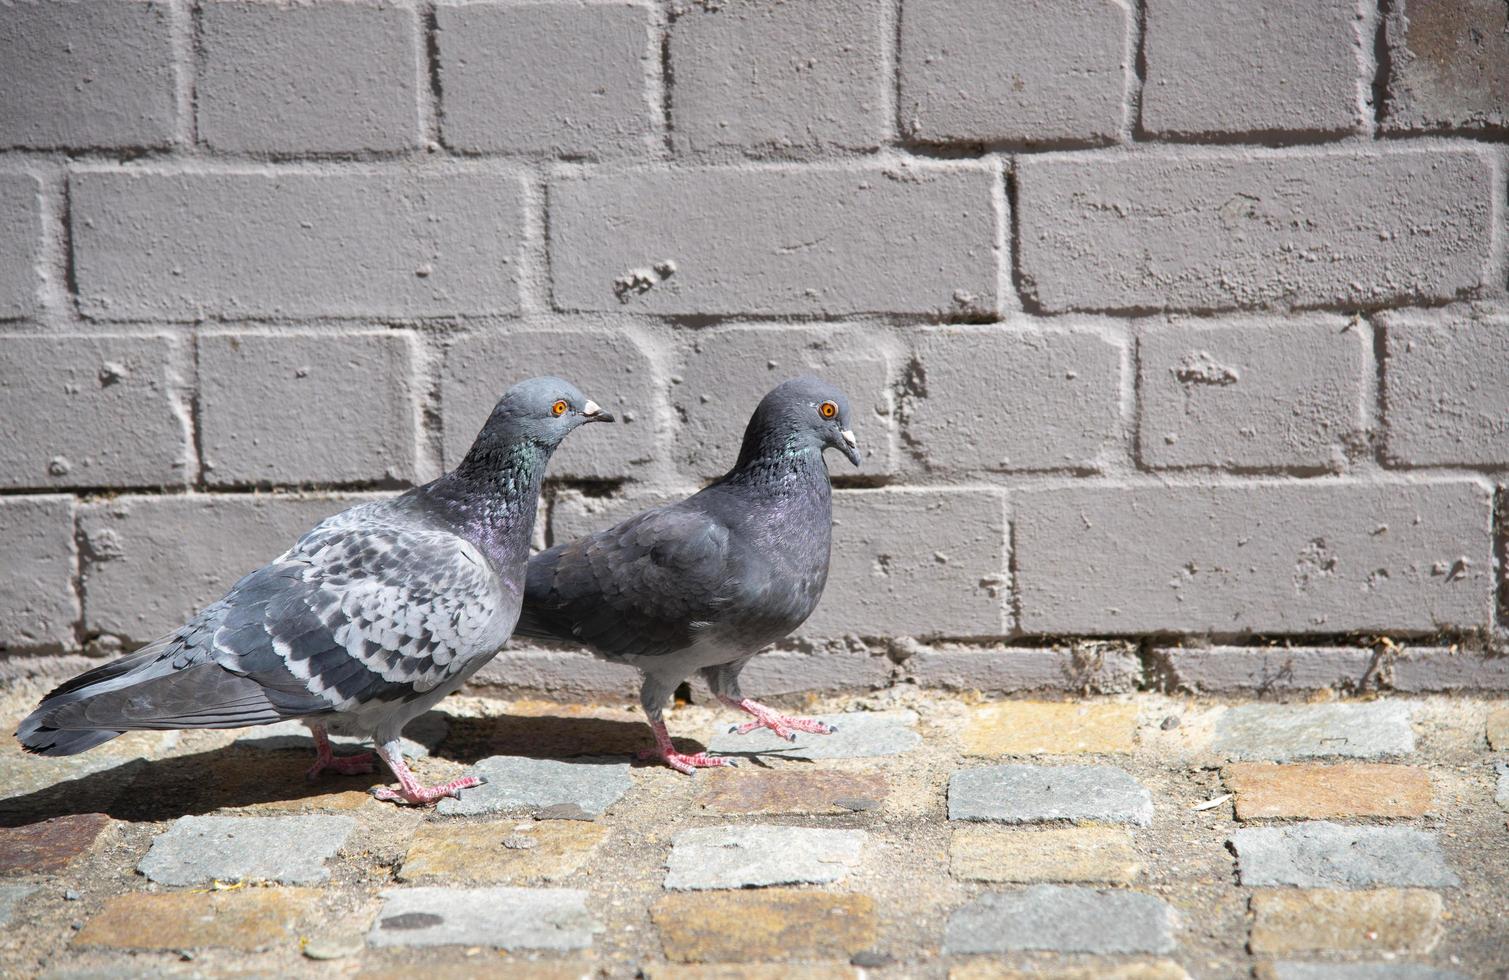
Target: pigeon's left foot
x: 685, y: 762
x: 345, y: 765
x: 409, y: 790
x: 782, y: 725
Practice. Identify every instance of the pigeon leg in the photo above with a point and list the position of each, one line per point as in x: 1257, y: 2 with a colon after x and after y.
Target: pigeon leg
x: 409, y: 790
x: 784, y: 726
x: 666, y: 752
x: 325, y: 757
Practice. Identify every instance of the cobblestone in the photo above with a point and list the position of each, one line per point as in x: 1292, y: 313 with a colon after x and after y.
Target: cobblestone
x: 290, y: 850
x: 1080, y: 854
x: 826, y: 791
x: 11, y: 896
x: 501, y: 853
x: 858, y: 735
x: 776, y: 924
x: 515, y: 783
x: 1328, y: 855
x: 1383, y: 921
x: 49, y: 845
x: 1050, y: 728
x: 1497, y: 728
x: 756, y: 856
x: 1061, y: 919
x: 1317, y: 791
x: 504, y: 918
x: 1279, y: 733
x: 248, y: 920
x: 1038, y: 794
x: 1354, y: 971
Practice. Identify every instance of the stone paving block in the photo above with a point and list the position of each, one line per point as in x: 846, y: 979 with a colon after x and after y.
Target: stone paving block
x: 1078, y: 854
x: 765, y: 791
x: 757, y: 855
x: 1448, y: 66
x: 1319, y: 854
x: 859, y: 735
x: 1497, y: 728
x: 753, y: 971
x: 1501, y: 791
x: 1282, y: 732
x: 1061, y: 919
x: 502, y: 918
x: 247, y: 919
x: 289, y: 850
x: 11, y: 897
x: 421, y: 736
x: 505, y: 967
x: 1313, y: 791
x: 251, y: 781
x: 1093, y: 668
x: 1104, y: 970
x: 20, y: 242
x: 1442, y: 391
x: 500, y: 853
x: 50, y: 845
x: 774, y: 924
x: 1039, y: 794
x: 38, y: 602
x: 1354, y: 971
x: 1050, y: 728
x: 1387, y: 920
x: 89, y: 781
x: 519, y: 784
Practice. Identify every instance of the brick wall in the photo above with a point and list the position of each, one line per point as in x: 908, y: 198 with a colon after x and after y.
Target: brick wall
x: 1176, y: 328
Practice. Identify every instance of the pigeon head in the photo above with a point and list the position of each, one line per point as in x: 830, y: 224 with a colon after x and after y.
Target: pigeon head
x: 799, y: 415
x: 543, y: 411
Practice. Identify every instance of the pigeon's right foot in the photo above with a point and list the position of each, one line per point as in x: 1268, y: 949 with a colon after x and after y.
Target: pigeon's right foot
x: 666, y: 752
x: 783, y: 725
x: 409, y: 790
x: 325, y: 758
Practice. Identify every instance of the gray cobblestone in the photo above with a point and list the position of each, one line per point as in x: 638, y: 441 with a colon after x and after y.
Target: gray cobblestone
x: 288, y: 850
x: 505, y: 918
x: 518, y: 784
x: 1016, y: 794
x: 859, y: 735
x: 1284, y: 732
x: 1318, y: 854
x: 757, y: 855
x: 1061, y: 919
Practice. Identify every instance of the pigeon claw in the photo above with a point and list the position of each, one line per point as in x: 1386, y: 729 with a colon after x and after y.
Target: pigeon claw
x: 425, y: 795
x: 687, y: 762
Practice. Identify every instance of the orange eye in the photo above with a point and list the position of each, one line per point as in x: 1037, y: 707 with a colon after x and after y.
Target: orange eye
x: 827, y: 410
x: 559, y: 408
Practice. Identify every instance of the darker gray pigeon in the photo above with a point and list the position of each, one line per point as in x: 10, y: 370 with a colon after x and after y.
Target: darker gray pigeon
x: 365, y: 623
x: 705, y: 583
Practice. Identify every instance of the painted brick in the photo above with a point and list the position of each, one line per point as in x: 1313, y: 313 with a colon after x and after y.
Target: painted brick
x: 565, y: 674
x: 1251, y: 394
x: 1448, y: 66
x: 561, y: 78
x: 1094, y: 668
x: 609, y: 366
x: 152, y: 562
x: 777, y: 78
x: 1271, y: 67
x: 1264, y: 557
x: 186, y: 245
x: 1423, y: 669
x: 916, y: 563
x: 722, y: 382
x: 87, y: 73
x: 1265, y: 669
x: 258, y: 393
x: 1016, y: 72
x: 308, y: 78
x: 93, y: 411
x: 904, y: 238
x: 1230, y: 231
x: 20, y: 242
x: 38, y: 603
x: 977, y: 384
x: 1444, y: 397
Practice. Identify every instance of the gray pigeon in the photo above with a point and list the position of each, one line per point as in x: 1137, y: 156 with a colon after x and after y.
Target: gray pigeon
x: 365, y: 623
x: 703, y: 584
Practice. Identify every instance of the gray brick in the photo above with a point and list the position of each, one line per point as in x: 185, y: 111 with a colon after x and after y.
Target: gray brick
x: 87, y: 73
x: 561, y: 78
x: 93, y: 411
x: 913, y: 238
x: 1444, y: 395
x: 998, y: 669
x: 1420, y: 670
x: 152, y: 562
x: 778, y: 672
x: 778, y: 78
x: 916, y: 563
x: 1285, y: 732
x: 1017, y: 72
x: 308, y: 78
x: 1448, y: 66
x: 38, y: 603
x: 1265, y: 669
x: 1270, y: 67
x: 1355, y: 971
x: 562, y: 674
x: 259, y: 392
x: 1019, y: 794
x: 20, y: 241
x: 1223, y: 231
x: 605, y: 362
x: 185, y: 245
x: 1254, y: 558
x: 505, y: 918
x: 977, y: 385
x: 757, y: 855
x: 730, y: 370
x: 1320, y: 854
x: 289, y: 850
x: 1062, y: 919
x: 1251, y: 394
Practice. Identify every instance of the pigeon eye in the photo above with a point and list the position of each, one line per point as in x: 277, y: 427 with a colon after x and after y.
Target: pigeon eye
x: 827, y: 410
x: 559, y: 408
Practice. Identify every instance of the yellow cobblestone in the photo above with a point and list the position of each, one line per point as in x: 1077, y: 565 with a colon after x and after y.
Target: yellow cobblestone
x: 1050, y: 728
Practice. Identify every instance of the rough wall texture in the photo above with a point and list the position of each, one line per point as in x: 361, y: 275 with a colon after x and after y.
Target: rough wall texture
x: 1178, y: 329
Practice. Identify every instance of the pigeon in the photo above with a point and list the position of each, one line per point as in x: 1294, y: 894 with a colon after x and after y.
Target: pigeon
x: 371, y: 618
x: 704, y: 583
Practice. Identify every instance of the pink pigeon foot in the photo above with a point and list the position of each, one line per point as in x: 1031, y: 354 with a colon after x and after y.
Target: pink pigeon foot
x: 345, y: 765
x: 688, y: 763
x: 784, y: 726
x: 409, y: 790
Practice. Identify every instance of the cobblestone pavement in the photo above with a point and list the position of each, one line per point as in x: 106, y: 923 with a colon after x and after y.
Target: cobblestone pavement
x: 1138, y: 837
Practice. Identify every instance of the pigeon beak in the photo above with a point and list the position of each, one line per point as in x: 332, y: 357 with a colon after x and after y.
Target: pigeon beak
x: 594, y: 412
x: 850, y: 446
